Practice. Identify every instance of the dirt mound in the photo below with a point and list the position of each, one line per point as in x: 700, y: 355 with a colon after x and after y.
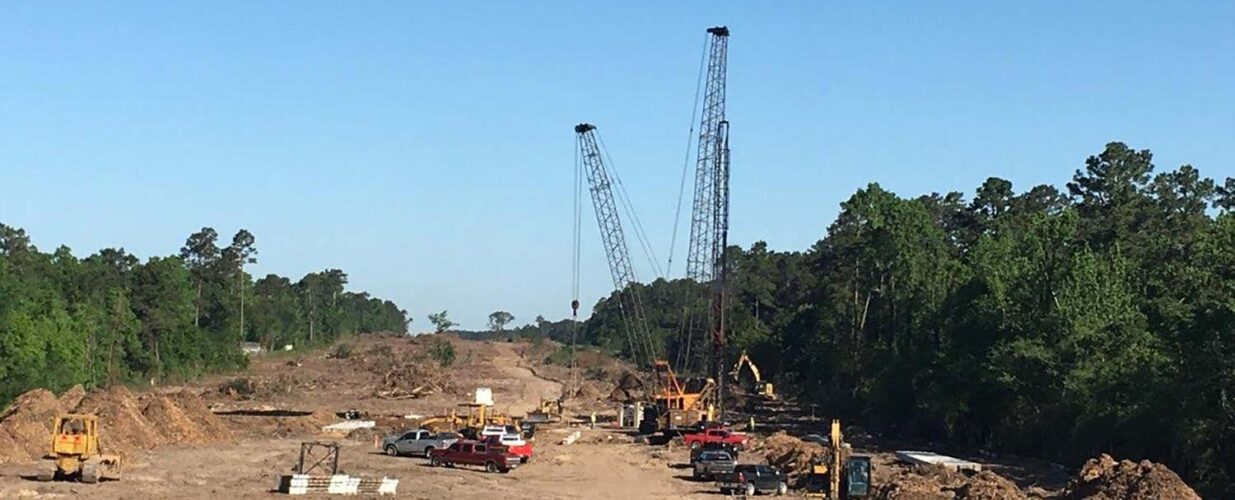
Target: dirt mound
x: 72, y: 397
x: 212, y: 427
x: 987, y: 485
x: 1103, y: 478
x: 122, y: 427
x: 170, y: 422
x: 790, y: 454
x: 27, y: 425
x: 929, y: 483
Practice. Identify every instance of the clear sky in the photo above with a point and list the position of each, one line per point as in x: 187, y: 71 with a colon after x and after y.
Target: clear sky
x: 427, y: 149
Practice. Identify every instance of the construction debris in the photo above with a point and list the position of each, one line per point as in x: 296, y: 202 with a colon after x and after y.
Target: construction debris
x: 930, y: 482
x: 569, y: 440
x: 349, y: 425
x: 338, y: 484
x: 1103, y: 478
x: 932, y: 458
x: 790, y: 454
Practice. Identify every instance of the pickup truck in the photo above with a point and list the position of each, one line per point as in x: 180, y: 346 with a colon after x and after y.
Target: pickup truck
x: 417, y: 442
x: 751, y: 479
x: 727, y: 448
x: 494, y: 458
x: 514, y: 443
x: 715, y: 435
x: 713, y: 463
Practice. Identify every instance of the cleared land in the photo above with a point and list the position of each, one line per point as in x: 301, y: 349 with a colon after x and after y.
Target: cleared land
x: 233, y: 436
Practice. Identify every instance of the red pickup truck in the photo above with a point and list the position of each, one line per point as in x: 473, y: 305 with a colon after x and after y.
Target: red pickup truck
x: 513, y: 443
x: 494, y: 458
x: 715, y: 435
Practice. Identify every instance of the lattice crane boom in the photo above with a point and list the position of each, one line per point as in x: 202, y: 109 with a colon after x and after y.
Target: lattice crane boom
x: 600, y: 185
x: 709, y: 227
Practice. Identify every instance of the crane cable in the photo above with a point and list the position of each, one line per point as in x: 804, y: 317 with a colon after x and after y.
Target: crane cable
x: 684, y: 360
x: 690, y: 140
x: 629, y: 208
x: 574, y: 289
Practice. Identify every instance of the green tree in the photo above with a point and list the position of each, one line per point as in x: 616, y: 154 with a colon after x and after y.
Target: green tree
x: 441, y: 323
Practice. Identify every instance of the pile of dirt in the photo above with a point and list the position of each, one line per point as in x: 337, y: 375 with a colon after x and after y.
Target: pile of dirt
x: 1103, y: 478
x: 122, y: 427
x: 987, y: 485
x: 25, y: 427
x: 72, y: 397
x: 126, y: 422
x: 629, y: 389
x: 169, y: 421
x: 212, y: 427
x: 790, y: 454
x: 930, y: 483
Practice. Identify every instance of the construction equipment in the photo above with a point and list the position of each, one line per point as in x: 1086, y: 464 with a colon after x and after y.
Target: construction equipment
x: 760, y: 387
x: 549, y: 411
x: 75, y: 451
x: 676, y: 405
x: 470, y: 417
x: 843, y: 476
x: 709, y: 224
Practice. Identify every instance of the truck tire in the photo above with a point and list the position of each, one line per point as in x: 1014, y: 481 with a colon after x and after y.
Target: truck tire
x: 491, y: 466
x: 427, y: 450
x: 436, y: 462
x: 695, y: 445
x: 782, y: 489
x: 391, y: 450
x: 750, y: 489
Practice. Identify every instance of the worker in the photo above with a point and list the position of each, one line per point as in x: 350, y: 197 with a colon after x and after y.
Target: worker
x: 593, y: 420
x: 752, y: 423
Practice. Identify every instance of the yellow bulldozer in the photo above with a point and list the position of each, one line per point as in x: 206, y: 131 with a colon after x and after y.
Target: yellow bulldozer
x: 75, y: 451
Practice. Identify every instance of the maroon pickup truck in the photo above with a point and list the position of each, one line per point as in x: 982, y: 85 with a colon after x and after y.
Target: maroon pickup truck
x: 715, y: 435
x: 494, y: 458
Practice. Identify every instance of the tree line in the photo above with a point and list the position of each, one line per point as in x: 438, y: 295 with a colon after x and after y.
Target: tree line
x: 1049, y: 323
x: 110, y: 318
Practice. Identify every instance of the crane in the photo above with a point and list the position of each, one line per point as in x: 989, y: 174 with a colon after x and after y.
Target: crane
x: 674, y: 404
x: 600, y: 183
x: 709, y: 223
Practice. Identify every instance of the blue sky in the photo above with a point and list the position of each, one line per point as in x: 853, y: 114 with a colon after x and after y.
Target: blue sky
x: 427, y: 149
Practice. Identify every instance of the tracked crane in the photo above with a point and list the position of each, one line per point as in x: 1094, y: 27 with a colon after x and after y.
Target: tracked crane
x: 709, y: 223
x: 673, y: 404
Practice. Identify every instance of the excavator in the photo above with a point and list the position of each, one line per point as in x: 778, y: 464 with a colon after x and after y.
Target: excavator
x: 75, y: 451
x: 760, y: 387
x: 841, y: 476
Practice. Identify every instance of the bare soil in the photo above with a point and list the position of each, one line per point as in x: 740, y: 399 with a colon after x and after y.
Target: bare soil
x: 233, y: 436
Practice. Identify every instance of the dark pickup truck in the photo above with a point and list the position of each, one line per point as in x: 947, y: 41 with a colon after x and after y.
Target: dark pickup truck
x: 751, y: 479
x: 694, y: 454
x: 713, y: 463
x: 494, y: 458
